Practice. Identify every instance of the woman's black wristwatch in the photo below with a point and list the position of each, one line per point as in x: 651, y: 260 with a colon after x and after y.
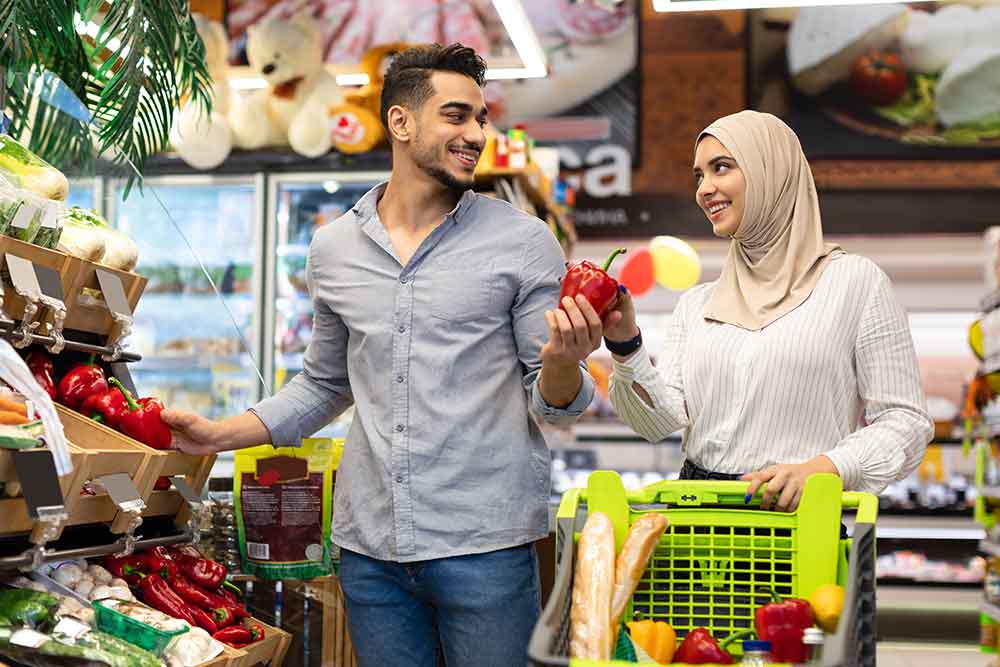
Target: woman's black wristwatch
x: 625, y: 347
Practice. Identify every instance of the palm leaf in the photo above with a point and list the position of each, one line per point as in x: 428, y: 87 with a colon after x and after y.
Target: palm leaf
x: 127, y: 79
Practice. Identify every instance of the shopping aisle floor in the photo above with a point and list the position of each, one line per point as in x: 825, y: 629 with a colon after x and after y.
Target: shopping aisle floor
x: 905, y: 654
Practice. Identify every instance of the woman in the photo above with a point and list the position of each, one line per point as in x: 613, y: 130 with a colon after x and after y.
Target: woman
x: 770, y: 369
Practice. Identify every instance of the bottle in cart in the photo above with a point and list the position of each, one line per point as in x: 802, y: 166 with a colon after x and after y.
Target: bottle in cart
x: 813, y: 640
x: 756, y: 653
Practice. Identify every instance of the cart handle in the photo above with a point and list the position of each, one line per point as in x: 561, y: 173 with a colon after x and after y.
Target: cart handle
x: 866, y: 503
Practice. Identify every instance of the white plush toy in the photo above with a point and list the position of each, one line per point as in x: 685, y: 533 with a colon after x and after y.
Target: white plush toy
x: 205, y: 142
x: 294, y: 108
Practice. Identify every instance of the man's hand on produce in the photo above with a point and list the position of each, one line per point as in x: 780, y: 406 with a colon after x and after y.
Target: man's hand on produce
x: 193, y: 434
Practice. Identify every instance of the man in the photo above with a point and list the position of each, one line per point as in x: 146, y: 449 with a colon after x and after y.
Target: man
x: 431, y: 309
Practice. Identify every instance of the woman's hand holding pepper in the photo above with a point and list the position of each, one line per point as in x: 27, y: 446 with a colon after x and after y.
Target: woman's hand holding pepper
x: 785, y: 482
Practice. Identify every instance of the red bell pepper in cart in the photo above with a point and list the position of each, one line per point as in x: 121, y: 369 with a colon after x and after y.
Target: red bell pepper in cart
x: 593, y: 282
x: 158, y: 595
x: 782, y: 623
x: 206, y: 573
x: 40, y: 365
x: 699, y: 648
x: 142, y: 420
x: 80, y: 382
x: 106, y: 407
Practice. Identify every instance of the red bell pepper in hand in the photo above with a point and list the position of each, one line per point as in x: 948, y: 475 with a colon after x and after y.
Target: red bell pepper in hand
x: 593, y: 282
x: 234, y: 635
x: 106, y: 407
x: 40, y: 365
x: 158, y: 561
x: 157, y: 594
x: 699, y: 647
x: 141, y: 420
x: 129, y: 568
x: 80, y: 382
x: 206, y: 573
x: 782, y: 623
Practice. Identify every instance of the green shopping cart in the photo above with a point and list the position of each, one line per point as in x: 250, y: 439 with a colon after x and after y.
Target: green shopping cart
x: 719, y: 559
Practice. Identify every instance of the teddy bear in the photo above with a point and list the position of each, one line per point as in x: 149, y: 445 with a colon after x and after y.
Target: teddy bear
x: 204, y: 142
x: 294, y: 107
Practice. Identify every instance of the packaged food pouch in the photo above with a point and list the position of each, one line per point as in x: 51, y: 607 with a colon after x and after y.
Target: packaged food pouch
x: 283, y: 499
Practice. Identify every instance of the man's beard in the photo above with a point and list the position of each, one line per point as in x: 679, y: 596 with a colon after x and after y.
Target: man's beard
x: 425, y: 158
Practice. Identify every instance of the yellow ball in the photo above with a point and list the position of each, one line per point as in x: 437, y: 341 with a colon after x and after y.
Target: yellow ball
x: 976, y: 338
x: 675, y: 263
x: 827, y: 602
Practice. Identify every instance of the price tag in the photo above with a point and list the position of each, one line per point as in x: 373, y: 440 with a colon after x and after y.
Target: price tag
x: 114, y: 293
x: 22, y: 274
x: 22, y: 219
x: 49, y: 282
x: 28, y: 638
x: 50, y: 216
x: 43, y: 492
x: 70, y: 627
x: 122, y: 491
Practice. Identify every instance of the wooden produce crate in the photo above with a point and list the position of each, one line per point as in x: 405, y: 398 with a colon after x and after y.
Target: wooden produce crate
x: 88, y: 312
x: 13, y: 303
x: 158, y: 463
x: 268, y: 652
x: 338, y: 651
x: 15, y: 511
x: 229, y: 657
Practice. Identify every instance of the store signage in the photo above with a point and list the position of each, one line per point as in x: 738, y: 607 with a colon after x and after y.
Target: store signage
x: 44, y: 492
x: 114, y: 293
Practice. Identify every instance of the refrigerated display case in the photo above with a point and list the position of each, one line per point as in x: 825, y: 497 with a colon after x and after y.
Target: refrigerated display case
x: 198, y: 353
x: 298, y: 205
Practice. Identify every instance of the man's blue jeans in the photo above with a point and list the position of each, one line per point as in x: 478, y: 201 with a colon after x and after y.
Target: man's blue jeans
x: 474, y: 611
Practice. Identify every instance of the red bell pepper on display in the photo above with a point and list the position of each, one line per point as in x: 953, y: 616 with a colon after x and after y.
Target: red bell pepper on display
x: 129, y: 568
x: 699, y: 648
x: 105, y: 407
x: 234, y: 635
x: 158, y: 595
x: 193, y: 594
x: 782, y: 623
x: 204, y: 621
x: 158, y: 561
x: 40, y: 365
x: 593, y: 282
x: 80, y: 382
x: 206, y: 573
x: 141, y: 420
x: 224, y: 616
x: 256, y: 630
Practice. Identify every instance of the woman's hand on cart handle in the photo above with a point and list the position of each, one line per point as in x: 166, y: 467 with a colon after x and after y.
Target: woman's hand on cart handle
x: 194, y: 434
x: 785, y: 482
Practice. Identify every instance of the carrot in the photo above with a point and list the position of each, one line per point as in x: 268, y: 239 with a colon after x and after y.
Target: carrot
x: 12, y: 418
x: 13, y: 406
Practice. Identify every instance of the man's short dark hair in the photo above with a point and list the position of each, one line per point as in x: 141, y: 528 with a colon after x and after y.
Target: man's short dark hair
x: 408, y: 79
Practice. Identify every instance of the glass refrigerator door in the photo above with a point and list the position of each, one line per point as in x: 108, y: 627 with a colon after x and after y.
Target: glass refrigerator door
x: 301, y: 204
x: 193, y: 358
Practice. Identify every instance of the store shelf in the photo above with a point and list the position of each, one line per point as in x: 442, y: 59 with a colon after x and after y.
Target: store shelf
x: 609, y: 430
x: 990, y: 609
x: 988, y: 547
x: 991, y: 492
x: 902, y: 527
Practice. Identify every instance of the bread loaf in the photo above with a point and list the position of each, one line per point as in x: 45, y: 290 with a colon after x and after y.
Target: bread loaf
x: 639, y: 546
x: 590, y: 616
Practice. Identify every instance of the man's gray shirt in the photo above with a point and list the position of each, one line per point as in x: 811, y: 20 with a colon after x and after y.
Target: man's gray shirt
x: 442, y: 359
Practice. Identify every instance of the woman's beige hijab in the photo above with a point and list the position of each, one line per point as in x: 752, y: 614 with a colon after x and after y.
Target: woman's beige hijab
x: 777, y: 254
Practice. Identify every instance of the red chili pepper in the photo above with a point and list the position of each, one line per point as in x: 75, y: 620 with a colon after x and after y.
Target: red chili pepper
x: 192, y: 594
x: 233, y: 635
x: 40, y: 365
x: 256, y: 630
x: 203, y: 620
x: 206, y: 573
x: 593, y: 282
x: 80, y: 382
x: 106, y: 407
x: 158, y: 561
x: 782, y: 622
x: 157, y: 594
x: 699, y: 647
x: 224, y: 616
x: 228, y: 594
x: 129, y: 568
x: 142, y: 420
x: 162, y: 484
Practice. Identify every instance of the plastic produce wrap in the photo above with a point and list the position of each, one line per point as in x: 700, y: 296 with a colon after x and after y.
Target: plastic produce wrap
x: 591, y: 633
x: 28, y: 171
